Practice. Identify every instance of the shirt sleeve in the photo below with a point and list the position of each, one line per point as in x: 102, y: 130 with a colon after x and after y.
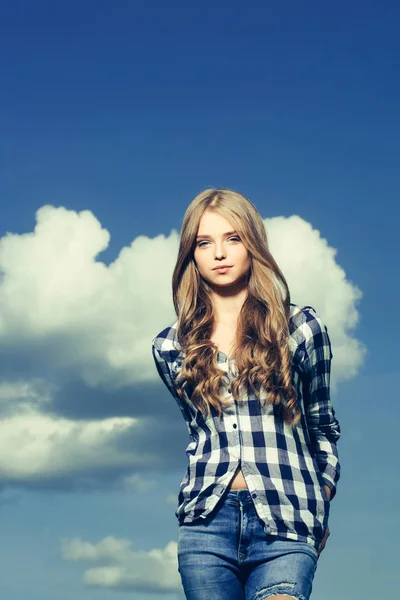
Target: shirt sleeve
x: 164, y: 373
x: 323, y: 427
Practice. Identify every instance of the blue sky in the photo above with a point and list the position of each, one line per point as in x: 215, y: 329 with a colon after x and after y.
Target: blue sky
x: 113, y: 116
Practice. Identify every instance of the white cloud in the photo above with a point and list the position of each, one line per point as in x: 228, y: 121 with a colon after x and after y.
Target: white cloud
x: 315, y: 278
x: 35, y: 444
x: 121, y: 567
x: 81, y: 314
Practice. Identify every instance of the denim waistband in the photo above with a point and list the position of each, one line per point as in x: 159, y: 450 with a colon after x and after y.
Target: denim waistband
x: 242, y: 495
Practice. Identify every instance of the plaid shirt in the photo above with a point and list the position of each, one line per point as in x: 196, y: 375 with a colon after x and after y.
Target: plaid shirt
x: 285, y: 468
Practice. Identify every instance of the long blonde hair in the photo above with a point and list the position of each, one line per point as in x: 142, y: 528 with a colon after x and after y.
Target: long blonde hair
x: 261, y: 349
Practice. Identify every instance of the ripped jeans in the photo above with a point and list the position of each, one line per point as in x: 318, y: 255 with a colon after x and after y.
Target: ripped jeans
x: 229, y: 556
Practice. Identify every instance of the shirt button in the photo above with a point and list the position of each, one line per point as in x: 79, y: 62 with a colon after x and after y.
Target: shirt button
x: 254, y: 495
x: 235, y: 425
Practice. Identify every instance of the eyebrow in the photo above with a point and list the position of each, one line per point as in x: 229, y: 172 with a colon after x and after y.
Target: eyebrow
x: 204, y: 235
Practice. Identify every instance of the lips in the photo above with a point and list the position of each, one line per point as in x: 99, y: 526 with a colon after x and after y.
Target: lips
x: 222, y: 267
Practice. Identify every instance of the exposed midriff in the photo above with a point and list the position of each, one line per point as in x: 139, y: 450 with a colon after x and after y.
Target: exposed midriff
x: 238, y: 482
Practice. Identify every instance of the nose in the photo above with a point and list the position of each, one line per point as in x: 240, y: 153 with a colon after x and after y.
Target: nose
x: 219, y: 251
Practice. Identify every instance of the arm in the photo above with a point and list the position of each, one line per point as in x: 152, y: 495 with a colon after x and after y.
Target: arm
x: 163, y: 371
x: 324, y: 428
x: 165, y: 375
x: 328, y: 491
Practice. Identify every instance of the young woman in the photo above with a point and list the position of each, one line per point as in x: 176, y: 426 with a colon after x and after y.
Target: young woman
x: 250, y: 372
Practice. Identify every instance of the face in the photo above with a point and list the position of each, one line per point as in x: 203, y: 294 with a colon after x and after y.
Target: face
x: 218, y: 244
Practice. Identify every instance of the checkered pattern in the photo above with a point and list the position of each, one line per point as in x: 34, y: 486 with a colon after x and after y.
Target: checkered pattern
x: 285, y: 468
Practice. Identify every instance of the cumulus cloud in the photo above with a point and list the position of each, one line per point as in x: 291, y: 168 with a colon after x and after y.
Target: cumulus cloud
x: 119, y: 566
x: 83, y: 316
x: 95, y: 320
x: 35, y: 444
x: 315, y: 278
x: 75, y: 340
x: 40, y: 448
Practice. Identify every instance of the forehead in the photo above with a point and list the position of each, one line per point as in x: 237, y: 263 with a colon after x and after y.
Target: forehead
x: 212, y: 222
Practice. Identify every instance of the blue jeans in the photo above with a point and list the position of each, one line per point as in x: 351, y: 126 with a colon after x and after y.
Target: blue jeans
x: 229, y: 556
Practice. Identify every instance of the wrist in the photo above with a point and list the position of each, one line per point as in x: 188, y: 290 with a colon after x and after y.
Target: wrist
x: 328, y: 491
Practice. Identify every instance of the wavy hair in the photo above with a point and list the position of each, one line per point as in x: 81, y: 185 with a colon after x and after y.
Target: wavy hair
x: 261, y: 348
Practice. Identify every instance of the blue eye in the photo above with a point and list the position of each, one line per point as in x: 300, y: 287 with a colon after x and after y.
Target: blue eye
x: 235, y: 237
